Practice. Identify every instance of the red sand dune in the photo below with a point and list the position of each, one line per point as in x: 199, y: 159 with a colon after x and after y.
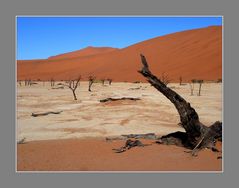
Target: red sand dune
x: 88, y: 51
x: 191, y: 54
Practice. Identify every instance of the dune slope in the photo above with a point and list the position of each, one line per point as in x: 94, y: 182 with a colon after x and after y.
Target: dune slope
x: 192, y: 54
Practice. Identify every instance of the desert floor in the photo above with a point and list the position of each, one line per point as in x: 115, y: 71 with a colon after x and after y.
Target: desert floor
x: 75, y: 139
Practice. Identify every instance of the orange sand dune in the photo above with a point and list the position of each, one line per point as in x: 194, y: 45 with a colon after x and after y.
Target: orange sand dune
x: 190, y: 54
x: 97, y: 155
x: 88, y: 51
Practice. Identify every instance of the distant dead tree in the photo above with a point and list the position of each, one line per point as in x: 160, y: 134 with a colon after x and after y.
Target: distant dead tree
x: 165, y: 79
x: 192, y: 85
x: 103, y: 81
x: 180, y: 80
x: 219, y: 80
x: 193, y: 81
x: 20, y: 82
x: 91, y: 81
x: 200, y: 86
x: 110, y: 81
x: 29, y: 82
x: 52, y: 82
x: 72, y: 85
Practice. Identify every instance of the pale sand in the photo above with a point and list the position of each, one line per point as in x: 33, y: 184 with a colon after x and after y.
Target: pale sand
x: 87, y: 117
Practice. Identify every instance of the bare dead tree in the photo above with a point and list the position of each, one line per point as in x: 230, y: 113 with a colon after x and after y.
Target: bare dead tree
x: 200, y: 86
x: 110, y: 81
x: 25, y: 82
x: 52, y: 82
x: 91, y: 81
x: 20, y: 82
x: 192, y: 86
x: 180, y: 80
x: 29, y: 82
x: 219, y: 80
x: 197, y: 135
x: 72, y: 85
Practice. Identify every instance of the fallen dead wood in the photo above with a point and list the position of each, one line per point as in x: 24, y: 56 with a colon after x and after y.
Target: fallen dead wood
x: 45, y: 113
x: 22, y: 141
x: 130, y: 144
x: 61, y: 87
x: 197, y: 135
x: 118, y: 99
x: 135, y: 88
x: 149, y: 136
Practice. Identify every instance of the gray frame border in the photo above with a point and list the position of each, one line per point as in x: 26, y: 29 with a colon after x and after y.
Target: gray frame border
x: 9, y: 9
x: 130, y: 16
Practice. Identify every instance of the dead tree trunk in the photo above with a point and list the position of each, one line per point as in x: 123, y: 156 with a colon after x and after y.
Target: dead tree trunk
x: 103, y: 81
x: 109, y: 80
x: 191, y: 88
x: 180, y: 80
x: 197, y: 135
x: 200, y: 86
x: 74, y: 94
x: 52, y: 82
x: 91, y: 81
x: 29, y: 82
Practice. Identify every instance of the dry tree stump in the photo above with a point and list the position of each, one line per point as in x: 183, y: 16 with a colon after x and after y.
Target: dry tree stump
x: 197, y: 135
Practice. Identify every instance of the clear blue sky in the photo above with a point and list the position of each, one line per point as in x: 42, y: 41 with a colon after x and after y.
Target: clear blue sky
x: 41, y: 37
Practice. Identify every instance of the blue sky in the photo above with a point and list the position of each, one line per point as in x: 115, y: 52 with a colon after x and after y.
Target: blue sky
x: 41, y: 37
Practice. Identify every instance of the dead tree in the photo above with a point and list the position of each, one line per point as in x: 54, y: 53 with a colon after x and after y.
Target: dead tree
x: 197, y: 135
x: 45, y: 113
x: 200, y: 86
x: 20, y: 82
x: 110, y: 81
x: 130, y: 144
x: 192, y: 86
x: 52, y: 82
x: 91, y: 81
x: 29, y: 82
x: 219, y: 80
x: 180, y: 80
x: 103, y: 81
x: 72, y: 85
